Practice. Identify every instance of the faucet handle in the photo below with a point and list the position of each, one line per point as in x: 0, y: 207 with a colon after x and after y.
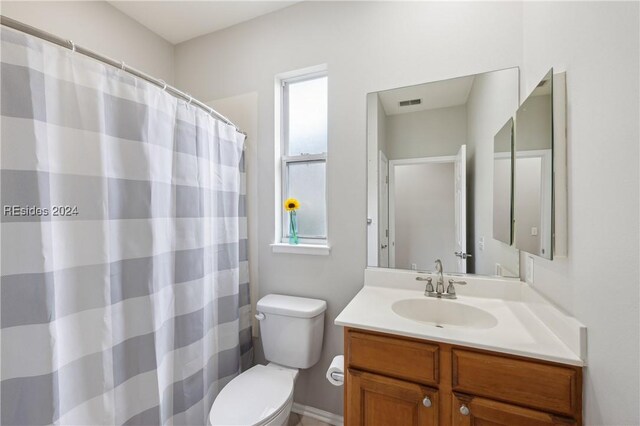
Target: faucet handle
x: 429, y: 287
x: 451, y: 289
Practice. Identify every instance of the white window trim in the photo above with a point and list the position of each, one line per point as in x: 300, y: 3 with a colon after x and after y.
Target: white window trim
x: 311, y: 249
x: 313, y: 246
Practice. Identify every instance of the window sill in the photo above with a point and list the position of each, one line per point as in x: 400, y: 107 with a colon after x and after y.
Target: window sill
x: 310, y: 249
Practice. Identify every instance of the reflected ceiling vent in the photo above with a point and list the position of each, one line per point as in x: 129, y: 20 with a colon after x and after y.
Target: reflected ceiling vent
x: 410, y: 102
x: 543, y: 83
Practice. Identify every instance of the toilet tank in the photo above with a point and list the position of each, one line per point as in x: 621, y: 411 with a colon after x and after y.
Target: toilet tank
x: 291, y: 329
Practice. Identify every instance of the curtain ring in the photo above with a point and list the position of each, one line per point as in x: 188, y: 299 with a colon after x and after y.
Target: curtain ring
x: 164, y: 85
x: 122, y: 65
x: 73, y: 45
x: 190, y: 99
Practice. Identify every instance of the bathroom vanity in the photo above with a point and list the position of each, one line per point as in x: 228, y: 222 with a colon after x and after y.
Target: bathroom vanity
x: 401, y: 381
x: 410, y: 366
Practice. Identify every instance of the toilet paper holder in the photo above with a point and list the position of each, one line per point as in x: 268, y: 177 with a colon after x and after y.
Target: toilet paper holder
x: 335, y: 373
x: 337, y: 376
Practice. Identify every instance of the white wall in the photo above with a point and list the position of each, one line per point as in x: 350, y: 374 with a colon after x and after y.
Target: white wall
x: 98, y: 26
x: 364, y: 53
x: 429, y: 133
x: 597, y: 44
x: 424, y: 209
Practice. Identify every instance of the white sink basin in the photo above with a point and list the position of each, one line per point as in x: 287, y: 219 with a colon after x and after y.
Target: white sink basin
x: 444, y: 313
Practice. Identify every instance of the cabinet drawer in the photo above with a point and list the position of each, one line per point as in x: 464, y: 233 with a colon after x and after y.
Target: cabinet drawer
x: 481, y: 411
x: 394, y: 357
x: 543, y: 386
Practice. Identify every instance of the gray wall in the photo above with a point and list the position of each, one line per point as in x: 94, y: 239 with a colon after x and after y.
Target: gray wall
x: 101, y: 27
x: 428, y: 133
x: 364, y: 54
x: 534, y: 124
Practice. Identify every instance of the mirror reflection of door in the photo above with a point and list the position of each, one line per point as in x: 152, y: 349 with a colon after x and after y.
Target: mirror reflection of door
x: 383, y: 196
x: 427, y: 211
x: 534, y: 171
x: 461, y: 210
x: 438, y: 140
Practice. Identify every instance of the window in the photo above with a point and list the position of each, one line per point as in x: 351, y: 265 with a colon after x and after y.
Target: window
x: 304, y: 155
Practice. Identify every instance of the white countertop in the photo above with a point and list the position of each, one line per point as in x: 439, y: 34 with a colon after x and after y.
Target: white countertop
x: 527, y: 325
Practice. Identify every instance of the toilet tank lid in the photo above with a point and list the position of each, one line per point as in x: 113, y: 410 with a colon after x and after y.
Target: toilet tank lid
x: 299, y: 307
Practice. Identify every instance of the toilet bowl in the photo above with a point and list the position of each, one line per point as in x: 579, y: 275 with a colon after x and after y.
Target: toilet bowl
x: 291, y: 329
x: 261, y: 396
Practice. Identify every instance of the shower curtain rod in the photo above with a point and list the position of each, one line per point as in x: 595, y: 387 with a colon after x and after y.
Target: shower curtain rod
x: 17, y: 25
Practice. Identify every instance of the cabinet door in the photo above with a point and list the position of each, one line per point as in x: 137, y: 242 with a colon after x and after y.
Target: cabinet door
x: 378, y: 400
x: 476, y: 411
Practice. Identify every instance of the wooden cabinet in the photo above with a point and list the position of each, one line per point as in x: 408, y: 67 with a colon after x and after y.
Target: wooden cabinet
x: 376, y: 400
x: 388, y: 378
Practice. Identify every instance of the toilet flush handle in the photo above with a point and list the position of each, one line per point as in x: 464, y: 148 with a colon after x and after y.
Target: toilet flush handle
x: 260, y: 316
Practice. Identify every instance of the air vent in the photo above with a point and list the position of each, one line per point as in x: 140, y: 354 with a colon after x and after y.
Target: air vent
x: 410, y: 102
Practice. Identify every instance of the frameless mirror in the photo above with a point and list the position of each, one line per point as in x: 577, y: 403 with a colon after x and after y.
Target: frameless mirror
x: 430, y: 174
x: 533, y: 168
x: 502, y: 179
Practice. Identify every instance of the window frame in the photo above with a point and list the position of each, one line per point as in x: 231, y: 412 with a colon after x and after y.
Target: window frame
x: 304, y: 158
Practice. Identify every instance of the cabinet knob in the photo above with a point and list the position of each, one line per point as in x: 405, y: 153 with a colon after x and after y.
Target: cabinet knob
x: 464, y: 410
x: 426, y: 402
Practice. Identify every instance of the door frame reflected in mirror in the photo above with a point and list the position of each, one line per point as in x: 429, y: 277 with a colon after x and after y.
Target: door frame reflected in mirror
x: 458, y: 201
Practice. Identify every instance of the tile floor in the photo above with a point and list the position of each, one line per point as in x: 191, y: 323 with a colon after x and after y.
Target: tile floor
x: 299, y: 420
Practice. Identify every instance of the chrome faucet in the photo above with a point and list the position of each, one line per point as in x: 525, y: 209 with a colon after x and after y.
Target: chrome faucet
x: 440, y: 281
x: 439, y: 291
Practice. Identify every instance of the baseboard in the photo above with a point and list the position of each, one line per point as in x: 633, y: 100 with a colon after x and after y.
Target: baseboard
x: 318, y: 414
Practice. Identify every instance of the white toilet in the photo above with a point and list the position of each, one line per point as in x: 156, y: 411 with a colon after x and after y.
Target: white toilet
x: 291, y: 330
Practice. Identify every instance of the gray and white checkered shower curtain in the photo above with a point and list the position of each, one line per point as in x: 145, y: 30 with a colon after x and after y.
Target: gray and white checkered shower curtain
x: 124, y: 281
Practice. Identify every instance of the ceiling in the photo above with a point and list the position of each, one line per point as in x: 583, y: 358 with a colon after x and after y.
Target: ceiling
x: 178, y: 21
x: 440, y: 94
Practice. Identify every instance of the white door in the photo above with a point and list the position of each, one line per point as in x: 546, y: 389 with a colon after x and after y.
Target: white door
x: 461, y: 209
x: 383, y: 212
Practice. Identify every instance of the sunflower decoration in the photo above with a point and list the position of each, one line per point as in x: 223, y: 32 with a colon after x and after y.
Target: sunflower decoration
x: 291, y: 205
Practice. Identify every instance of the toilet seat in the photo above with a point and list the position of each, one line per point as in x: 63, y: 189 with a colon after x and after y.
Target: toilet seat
x: 255, y: 397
